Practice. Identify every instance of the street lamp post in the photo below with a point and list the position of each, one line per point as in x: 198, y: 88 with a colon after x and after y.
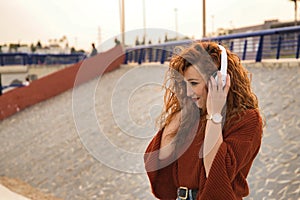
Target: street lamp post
x: 204, y: 18
x: 296, y: 10
x: 122, y: 21
x: 144, y: 20
x: 212, y: 25
x: 176, y: 22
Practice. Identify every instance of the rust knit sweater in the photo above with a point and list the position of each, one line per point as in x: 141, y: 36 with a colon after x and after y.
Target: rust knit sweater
x: 227, y: 176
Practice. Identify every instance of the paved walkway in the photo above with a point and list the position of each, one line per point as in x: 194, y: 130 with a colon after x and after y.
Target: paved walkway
x: 59, y: 151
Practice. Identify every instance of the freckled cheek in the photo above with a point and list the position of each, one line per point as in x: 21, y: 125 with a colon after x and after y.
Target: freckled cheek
x: 201, y: 91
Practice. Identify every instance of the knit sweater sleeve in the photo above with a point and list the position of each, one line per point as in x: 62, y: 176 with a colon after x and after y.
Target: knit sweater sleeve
x: 160, y: 172
x: 227, y: 176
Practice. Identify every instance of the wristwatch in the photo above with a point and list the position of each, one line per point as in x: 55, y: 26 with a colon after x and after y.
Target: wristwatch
x: 216, y: 118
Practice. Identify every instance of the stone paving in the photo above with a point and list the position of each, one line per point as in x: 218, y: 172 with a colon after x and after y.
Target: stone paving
x: 56, y: 147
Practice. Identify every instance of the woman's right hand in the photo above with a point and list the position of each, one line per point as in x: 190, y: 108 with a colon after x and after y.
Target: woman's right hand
x: 169, y: 132
x: 172, y: 127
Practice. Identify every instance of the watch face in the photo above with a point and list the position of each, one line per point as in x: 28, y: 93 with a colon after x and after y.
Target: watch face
x: 217, y: 118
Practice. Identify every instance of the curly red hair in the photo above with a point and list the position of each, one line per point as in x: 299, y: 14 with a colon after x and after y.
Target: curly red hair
x: 206, y: 57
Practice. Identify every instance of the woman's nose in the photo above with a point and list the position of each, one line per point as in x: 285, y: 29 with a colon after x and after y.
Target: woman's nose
x: 189, y: 90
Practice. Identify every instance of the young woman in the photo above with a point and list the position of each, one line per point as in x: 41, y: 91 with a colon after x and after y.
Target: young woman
x: 210, y: 128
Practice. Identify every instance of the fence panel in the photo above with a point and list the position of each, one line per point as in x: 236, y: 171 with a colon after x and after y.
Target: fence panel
x: 274, y: 43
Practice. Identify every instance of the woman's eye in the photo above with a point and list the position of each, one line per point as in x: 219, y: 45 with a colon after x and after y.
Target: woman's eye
x: 193, y: 83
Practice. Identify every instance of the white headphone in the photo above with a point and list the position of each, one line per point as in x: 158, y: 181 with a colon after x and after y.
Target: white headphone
x: 223, y: 69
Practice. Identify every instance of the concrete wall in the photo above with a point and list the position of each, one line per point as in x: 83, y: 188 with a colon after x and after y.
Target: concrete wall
x: 60, y: 81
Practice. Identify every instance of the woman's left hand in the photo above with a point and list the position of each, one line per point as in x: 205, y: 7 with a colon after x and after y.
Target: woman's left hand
x: 217, y: 94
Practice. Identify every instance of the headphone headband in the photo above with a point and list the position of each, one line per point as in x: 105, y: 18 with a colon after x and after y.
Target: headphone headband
x: 223, y: 60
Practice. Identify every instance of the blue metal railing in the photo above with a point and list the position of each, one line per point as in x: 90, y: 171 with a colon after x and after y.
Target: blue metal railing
x: 266, y: 44
x: 35, y: 59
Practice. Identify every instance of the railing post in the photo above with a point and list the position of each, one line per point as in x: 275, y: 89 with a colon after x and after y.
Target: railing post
x: 136, y: 55
x: 260, y: 49
x: 78, y: 58
x: 131, y: 56
x: 231, y: 46
x: 25, y: 59
x: 298, y: 47
x: 163, y: 56
x: 157, y: 54
x: 140, y: 57
x: 29, y: 59
x: 1, y: 60
x: 126, y: 57
x: 150, y: 54
x: 144, y: 54
x: 35, y: 59
x: 245, y: 50
x: 170, y: 52
x: 278, y: 47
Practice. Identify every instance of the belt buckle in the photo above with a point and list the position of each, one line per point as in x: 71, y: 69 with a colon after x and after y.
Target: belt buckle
x: 183, y: 192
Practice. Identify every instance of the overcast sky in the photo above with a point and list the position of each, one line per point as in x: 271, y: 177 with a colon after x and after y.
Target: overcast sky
x: 28, y: 21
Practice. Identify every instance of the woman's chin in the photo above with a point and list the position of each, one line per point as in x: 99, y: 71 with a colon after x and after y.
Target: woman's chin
x: 198, y: 104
